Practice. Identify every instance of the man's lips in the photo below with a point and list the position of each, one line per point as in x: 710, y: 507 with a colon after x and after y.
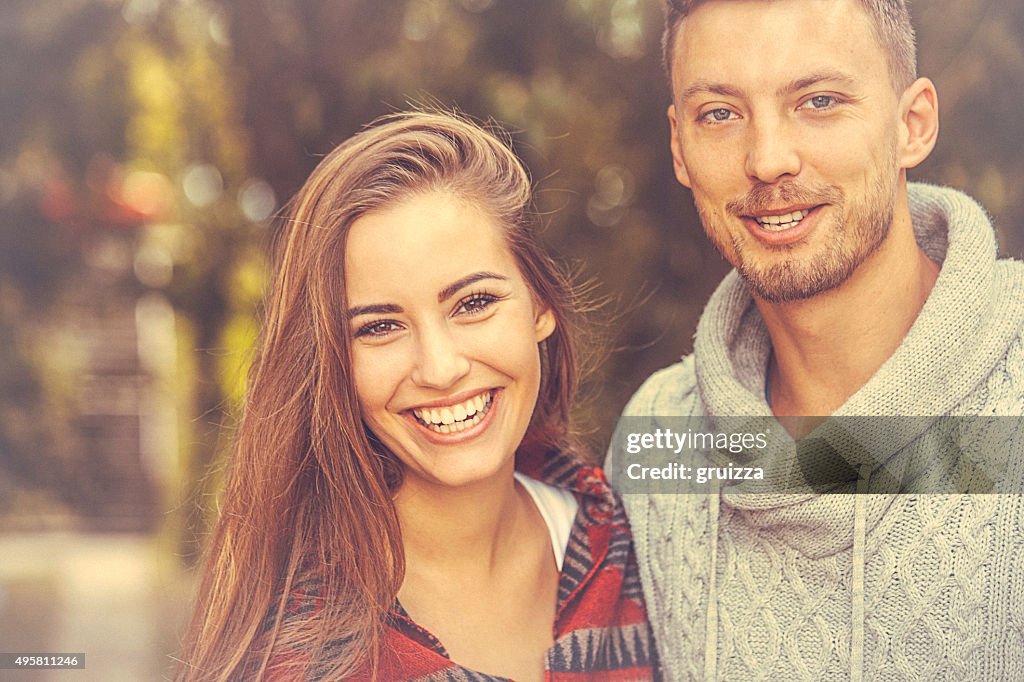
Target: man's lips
x: 782, y: 226
x: 781, y: 220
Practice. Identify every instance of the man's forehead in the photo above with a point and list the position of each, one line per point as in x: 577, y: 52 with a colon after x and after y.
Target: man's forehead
x: 754, y: 7
x: 770, y: 43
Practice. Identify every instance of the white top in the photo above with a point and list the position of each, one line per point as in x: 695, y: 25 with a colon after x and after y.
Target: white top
x: 558, y: 507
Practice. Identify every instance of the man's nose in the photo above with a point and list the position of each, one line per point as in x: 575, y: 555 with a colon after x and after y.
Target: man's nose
x: 772, y: 150
x: 440, y: 360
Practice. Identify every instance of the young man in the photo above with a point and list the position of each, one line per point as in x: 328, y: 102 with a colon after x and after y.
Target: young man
x: 793, y: 123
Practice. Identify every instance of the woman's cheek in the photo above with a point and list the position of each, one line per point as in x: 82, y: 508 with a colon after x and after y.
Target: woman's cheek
x: 376, y: 370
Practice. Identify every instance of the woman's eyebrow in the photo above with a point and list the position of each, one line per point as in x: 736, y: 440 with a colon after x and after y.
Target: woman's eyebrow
x: 374, y: 309
x: 458, y: 284
x: 442, y: 296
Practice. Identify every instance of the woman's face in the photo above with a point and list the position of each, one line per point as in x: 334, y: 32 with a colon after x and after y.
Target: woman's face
x: 444, y: 338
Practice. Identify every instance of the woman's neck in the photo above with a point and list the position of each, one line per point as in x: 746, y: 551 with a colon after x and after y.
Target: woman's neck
x: 480, y: 574
x: 450, y: 528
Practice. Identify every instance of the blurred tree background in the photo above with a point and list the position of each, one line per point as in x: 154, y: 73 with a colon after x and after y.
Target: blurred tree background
x: 146, y: 146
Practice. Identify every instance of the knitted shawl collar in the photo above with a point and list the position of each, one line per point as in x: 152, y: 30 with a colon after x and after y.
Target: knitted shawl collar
x: 963, y: 330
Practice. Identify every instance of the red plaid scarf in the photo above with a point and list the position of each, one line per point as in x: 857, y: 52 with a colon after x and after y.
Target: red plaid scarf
x: 601, y: 630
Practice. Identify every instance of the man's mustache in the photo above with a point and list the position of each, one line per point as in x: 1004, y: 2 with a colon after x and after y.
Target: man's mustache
x: 764, y: 197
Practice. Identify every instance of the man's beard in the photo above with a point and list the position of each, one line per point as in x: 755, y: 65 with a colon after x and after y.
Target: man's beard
x: 853, y: 233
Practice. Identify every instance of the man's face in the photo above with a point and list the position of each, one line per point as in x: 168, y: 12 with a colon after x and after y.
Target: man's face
x: 785, y: 126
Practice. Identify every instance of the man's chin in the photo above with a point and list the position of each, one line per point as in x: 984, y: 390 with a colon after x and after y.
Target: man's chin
x: 792, y: 281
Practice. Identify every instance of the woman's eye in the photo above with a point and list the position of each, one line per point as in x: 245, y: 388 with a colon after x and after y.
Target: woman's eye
x: 378, y: 329
x: 476, y: 303
x: 717, y: 115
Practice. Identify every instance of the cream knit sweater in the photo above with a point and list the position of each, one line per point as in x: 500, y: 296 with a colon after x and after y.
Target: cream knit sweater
x: 851, y: 587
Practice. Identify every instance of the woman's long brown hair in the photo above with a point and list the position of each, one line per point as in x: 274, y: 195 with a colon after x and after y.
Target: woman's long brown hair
x: 309, y: 490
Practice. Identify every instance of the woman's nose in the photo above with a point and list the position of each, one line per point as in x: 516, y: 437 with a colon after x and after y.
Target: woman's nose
x: 440, y: 361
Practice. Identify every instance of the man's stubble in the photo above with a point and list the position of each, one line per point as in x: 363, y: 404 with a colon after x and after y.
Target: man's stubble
x: 855, y: 230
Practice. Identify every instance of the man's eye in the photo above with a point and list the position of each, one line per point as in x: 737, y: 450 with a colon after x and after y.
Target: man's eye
x: 475, y: 303
x: 378, y: 329
x: 717, y: 115
x: 820, y: 102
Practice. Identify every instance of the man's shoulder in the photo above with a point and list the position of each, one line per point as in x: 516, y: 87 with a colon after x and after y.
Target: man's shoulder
x: 670, y: 391
x: 1010, y: 274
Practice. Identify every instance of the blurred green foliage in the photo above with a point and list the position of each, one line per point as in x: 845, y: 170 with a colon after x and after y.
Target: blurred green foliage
x: 145, y: 145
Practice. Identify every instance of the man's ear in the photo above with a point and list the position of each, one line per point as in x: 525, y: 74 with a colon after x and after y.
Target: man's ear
x: 919, y: 122
x: 544, y: 325
x: 682, y: 175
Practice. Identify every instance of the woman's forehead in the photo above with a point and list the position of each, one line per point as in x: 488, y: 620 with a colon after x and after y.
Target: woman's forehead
x: 426, y: 241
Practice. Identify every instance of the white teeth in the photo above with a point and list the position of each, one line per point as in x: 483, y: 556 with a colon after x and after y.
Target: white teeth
x: 455, y: 418
x: 777, y: 223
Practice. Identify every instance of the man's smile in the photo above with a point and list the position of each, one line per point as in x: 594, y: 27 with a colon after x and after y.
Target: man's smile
x: 775, y: 223
x: 782, y: 226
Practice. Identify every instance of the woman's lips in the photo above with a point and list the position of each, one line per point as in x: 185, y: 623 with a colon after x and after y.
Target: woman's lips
x: 456, y: 423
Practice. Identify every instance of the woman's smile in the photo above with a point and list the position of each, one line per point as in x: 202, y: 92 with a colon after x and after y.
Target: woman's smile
x: 452, y: 418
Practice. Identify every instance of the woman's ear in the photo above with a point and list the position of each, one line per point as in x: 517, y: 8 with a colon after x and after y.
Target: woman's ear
x: 919, y: 122
x: 544, y: 324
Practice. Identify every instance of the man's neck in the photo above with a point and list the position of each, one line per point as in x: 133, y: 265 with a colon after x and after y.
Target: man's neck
x: 826, y: 347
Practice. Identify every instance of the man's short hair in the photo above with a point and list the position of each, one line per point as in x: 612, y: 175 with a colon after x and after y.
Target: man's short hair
x: 890, y: 19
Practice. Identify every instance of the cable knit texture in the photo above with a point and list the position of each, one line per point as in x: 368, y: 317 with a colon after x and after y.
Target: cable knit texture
x: 852, y: 587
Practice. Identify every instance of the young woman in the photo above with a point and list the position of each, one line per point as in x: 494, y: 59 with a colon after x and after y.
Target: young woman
x: 406, y: 499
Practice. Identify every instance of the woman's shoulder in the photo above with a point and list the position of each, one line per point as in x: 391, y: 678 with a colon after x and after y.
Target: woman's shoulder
x: 568, y: 470
x: 307, y: 639
x: 601, y: 600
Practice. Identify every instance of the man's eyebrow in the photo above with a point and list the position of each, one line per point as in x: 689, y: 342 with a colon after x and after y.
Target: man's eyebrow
x: 813, y: 79
x: 463, y: 282
x: 702, y: 86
